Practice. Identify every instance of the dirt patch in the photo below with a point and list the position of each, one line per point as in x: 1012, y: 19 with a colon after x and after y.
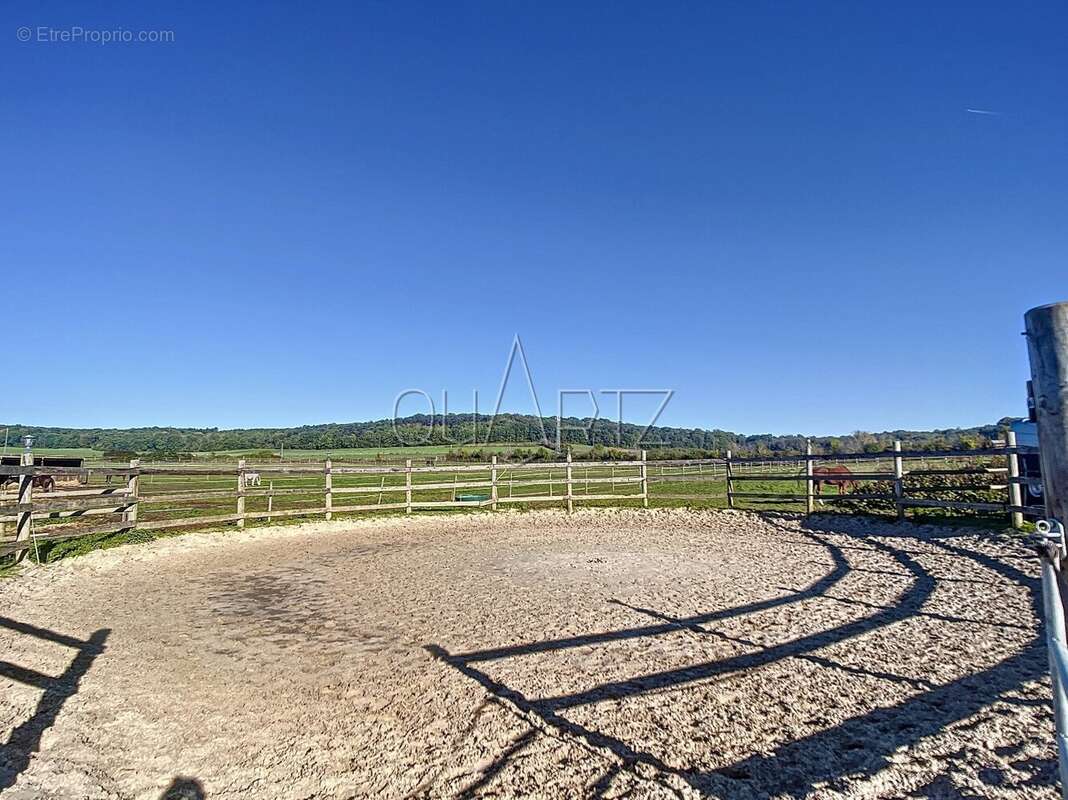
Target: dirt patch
x: 606, y: 653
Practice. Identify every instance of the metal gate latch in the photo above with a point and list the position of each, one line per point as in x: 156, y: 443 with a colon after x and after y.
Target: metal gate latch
x: 1052, y: 533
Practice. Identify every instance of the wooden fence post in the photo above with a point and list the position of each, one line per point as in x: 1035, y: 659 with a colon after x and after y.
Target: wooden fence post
x: 899, y: 485
x: 567, y: 479
x: 408, y: 486
x: 1047, y: 346
x: 25, y: 512
x: 1047, y: 349
x: 328, y: 470
x: 727, y: 473
x: 645, y: 480
x: 241, y: 493
x: 493, y: 484
x: 810, y: 486
x: 129, y: 516
x: 270, y: 501
x: 1015, y: 495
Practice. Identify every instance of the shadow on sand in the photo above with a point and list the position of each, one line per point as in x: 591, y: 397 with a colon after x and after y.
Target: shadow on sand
x: 25, y: 740
x: 857, y: 747
x: 182, y: 788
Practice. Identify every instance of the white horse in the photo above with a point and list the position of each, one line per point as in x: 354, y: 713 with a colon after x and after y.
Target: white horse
x: 252, y: 479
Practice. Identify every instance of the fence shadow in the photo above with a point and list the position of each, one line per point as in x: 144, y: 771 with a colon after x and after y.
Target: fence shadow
x: 25, y: 740
x: 858, y: 747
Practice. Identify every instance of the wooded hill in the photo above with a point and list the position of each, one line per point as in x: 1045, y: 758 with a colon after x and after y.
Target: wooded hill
x: 461, y: 430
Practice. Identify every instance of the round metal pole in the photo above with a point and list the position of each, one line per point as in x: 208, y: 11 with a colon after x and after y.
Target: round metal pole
x: 1058, y: 664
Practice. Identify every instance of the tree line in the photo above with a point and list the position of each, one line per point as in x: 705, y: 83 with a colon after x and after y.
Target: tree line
x: 460, y: 430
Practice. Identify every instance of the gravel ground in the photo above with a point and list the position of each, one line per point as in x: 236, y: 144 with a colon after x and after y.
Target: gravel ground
x: 602, y: 654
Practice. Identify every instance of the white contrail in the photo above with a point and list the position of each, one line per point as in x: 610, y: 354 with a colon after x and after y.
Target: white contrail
x: 983, y: 111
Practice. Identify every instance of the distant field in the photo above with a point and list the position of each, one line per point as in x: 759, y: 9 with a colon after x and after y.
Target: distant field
x: 337, y: 454
x: 364, y: 453
x: 66, y: 452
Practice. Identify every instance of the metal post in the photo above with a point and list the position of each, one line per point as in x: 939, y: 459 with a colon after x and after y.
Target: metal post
x: 1058, y: 660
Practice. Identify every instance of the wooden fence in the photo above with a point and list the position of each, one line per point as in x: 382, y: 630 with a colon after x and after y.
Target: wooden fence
x: 159, y: 497
x: 124, y: 503
x: 1007, y: 478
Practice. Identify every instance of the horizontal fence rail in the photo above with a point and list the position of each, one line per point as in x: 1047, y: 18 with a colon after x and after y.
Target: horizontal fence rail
x: 158, y: 497
x: 892, y: 481
x: 152, y: 497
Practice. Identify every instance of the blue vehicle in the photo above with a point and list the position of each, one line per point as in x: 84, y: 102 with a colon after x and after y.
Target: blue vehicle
x: 1027, y: 436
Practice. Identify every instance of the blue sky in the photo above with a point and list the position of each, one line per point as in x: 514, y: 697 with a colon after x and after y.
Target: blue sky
x: 293, y: 212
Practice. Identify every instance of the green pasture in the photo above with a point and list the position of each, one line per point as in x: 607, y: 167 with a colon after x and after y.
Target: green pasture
x: 14, y: 449
x: 386, y: 453
x: 341, y: 454
x: 694, y: 486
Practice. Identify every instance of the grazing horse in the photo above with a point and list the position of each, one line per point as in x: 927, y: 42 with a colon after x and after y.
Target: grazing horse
x: 252, y: 479
x: 45, y: 483
x: 839, y: 476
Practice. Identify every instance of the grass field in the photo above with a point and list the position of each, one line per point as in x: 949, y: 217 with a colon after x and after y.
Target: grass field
x: 390, y: 453
x: 167, y: 497
x: 66, y: 452
x: 337, y: 454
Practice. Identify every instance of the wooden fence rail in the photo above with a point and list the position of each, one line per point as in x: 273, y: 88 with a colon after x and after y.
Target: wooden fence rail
x: 159, y: 497
x: 897, y: 496
x: 128, y: 505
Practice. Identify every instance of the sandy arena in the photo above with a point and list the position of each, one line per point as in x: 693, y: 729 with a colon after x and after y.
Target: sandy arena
x: 603, y: 654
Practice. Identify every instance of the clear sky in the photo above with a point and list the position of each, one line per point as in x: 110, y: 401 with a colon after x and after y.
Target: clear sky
x: 786, y: 214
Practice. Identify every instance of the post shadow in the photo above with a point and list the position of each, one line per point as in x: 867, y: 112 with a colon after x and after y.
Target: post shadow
x: 183, y: 788
x: 819, y: 587
x: 25, y: 740
x: 860, y: 745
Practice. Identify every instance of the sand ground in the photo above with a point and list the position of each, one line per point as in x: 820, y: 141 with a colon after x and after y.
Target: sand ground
x: 602, y: 654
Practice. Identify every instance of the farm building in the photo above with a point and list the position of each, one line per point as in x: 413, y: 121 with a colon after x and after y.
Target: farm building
x: 45, y: 461
x: 52, y: 461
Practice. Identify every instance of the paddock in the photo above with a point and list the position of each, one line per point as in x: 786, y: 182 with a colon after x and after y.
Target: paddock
x: 604, y: 653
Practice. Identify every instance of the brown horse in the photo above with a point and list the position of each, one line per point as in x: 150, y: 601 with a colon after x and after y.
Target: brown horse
x: 840, y: 476
x: 45, y: 483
